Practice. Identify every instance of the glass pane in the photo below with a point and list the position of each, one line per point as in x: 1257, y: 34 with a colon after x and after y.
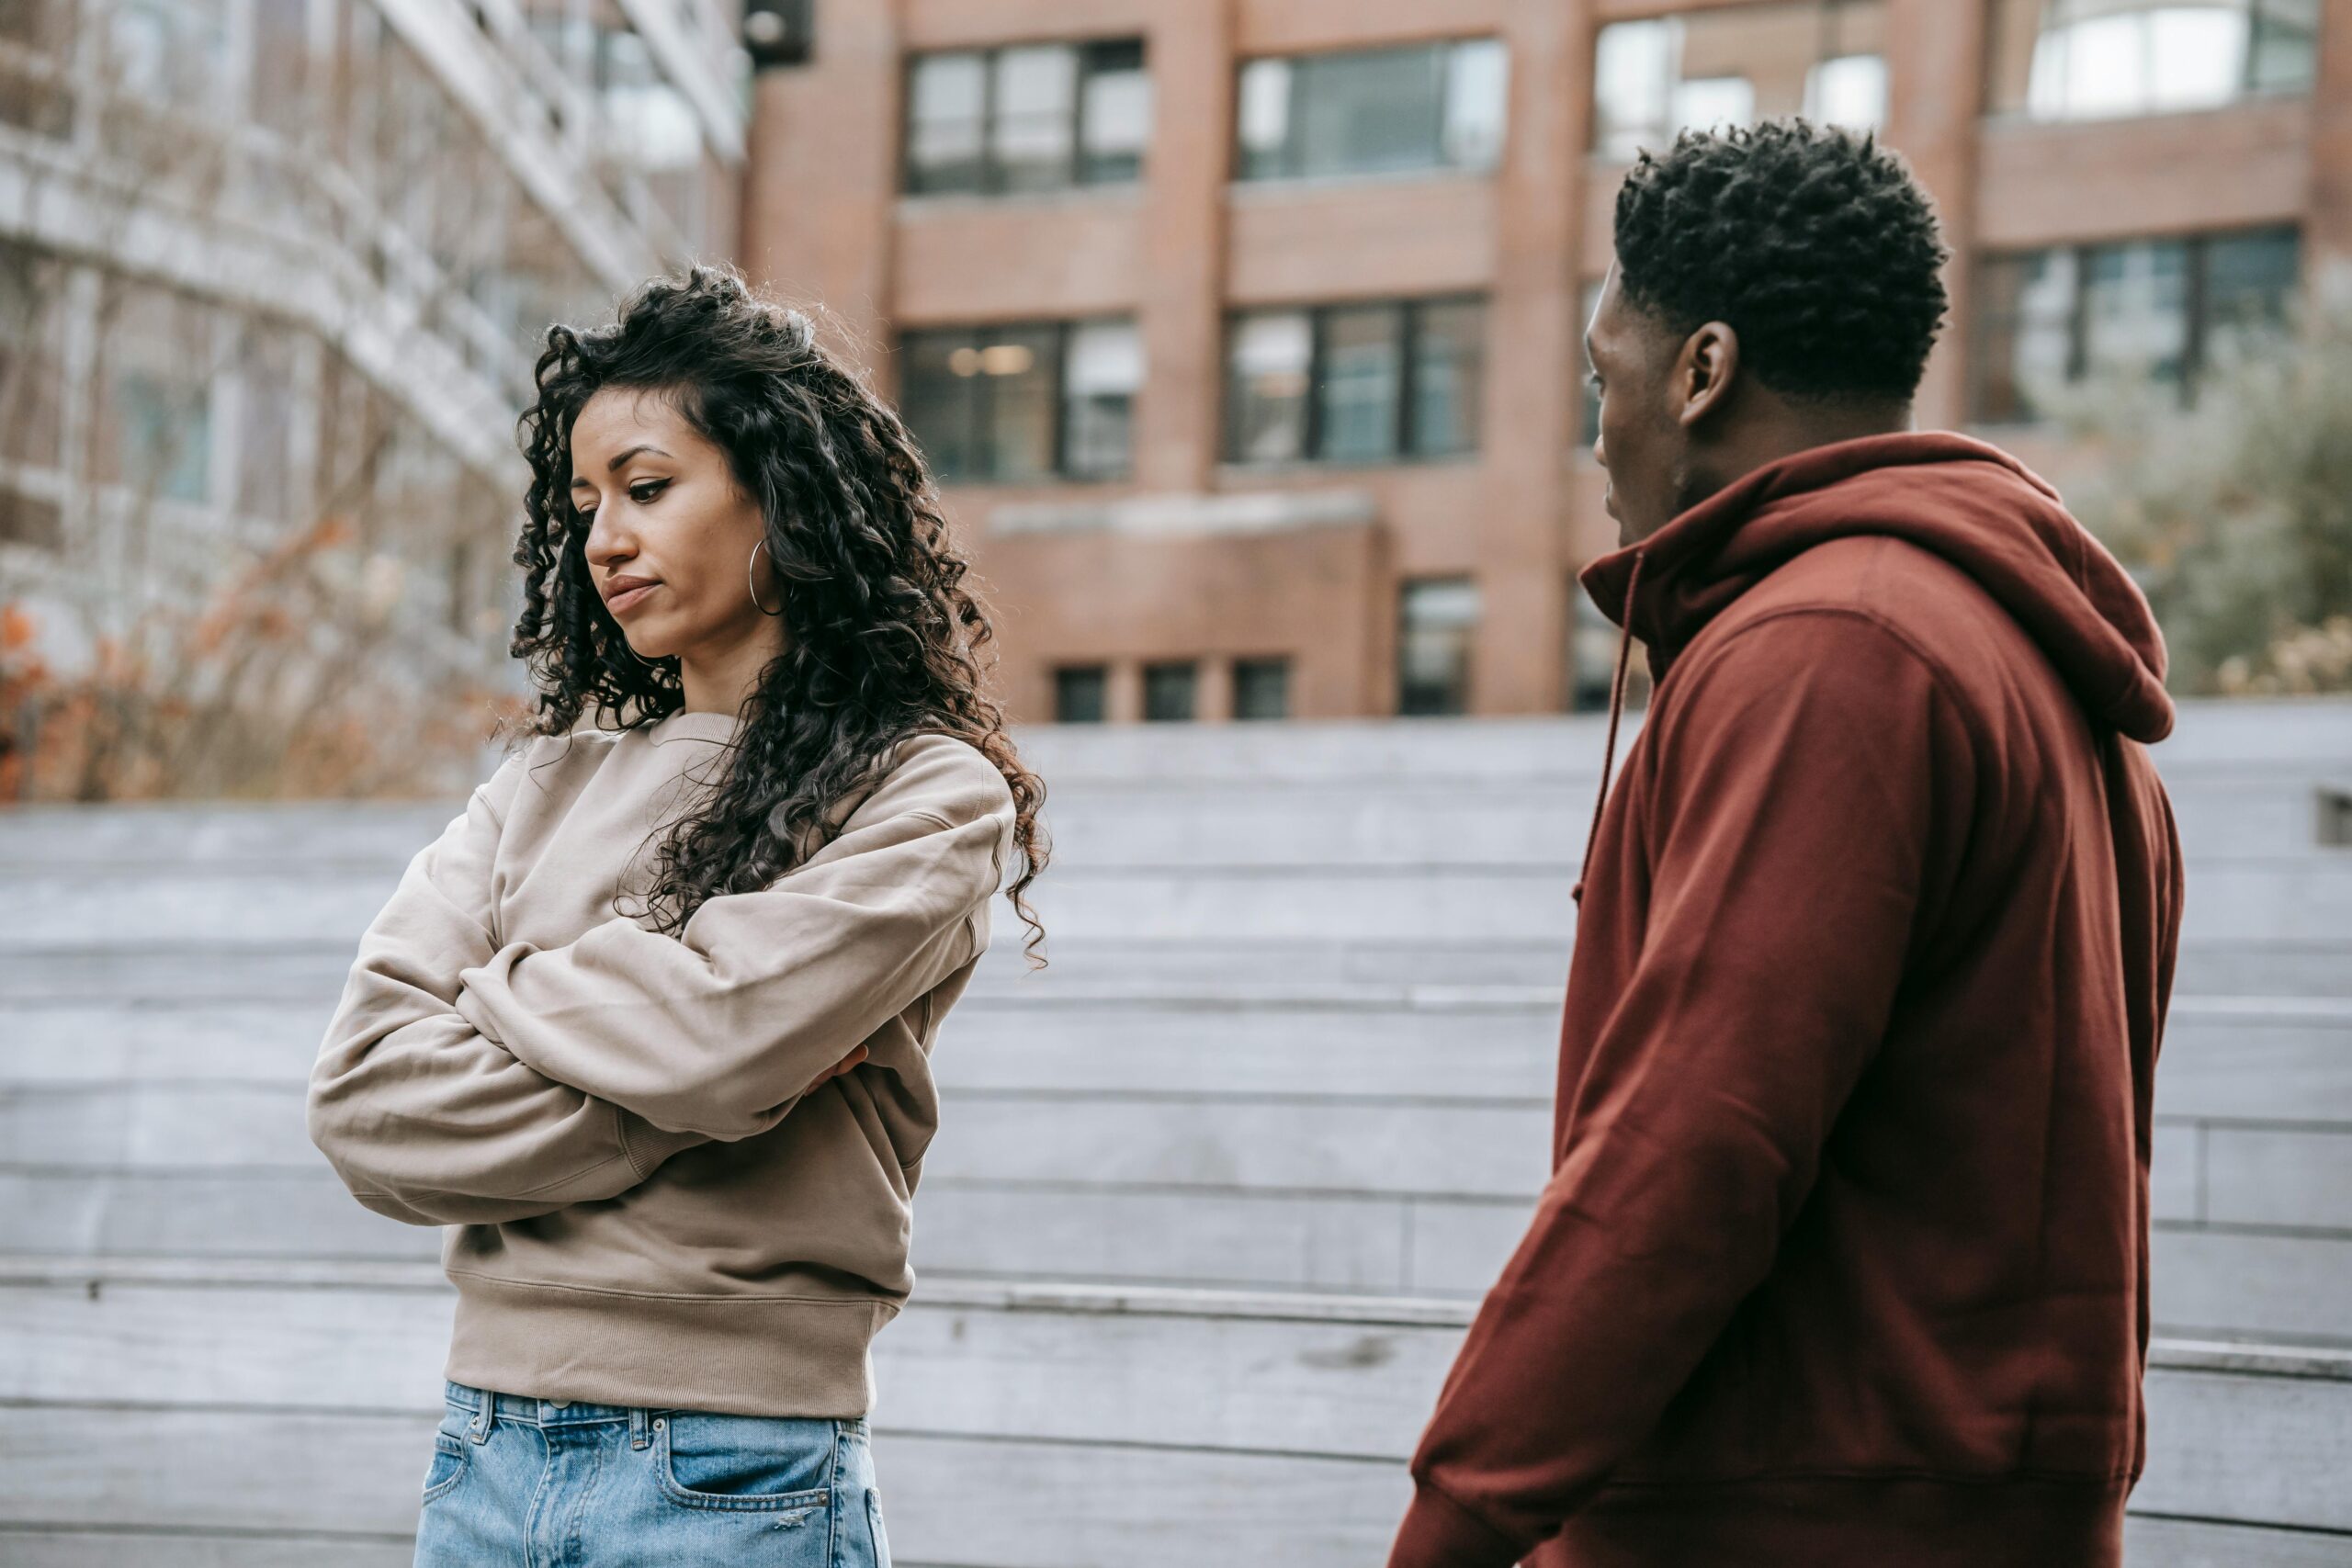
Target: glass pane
x: 1082, y: 694
x: 2135, y: 308
x: 1633, y: 72
x: 2248, y: 279
x: 2024, y: 333
x: 1369, y: 111
x: 938, y: 398
x: 1032, y: 136
x: 1016, y: 378
x: 155, y: 429
x: 1102, y: 369
x: 1263, y: 112
x: 1261, y: 688
x: 1713, y: 103
x: 2097, y: 62
x: 266, y: 422
x: 2196, y: 56
x: 1167, y: 691
x: 1849, y: 90
x: 2284, y: 53
x: 1438, y: 617
x: 1114, y: 115
x: 1448, y: 361
x: 1357, y: 395
x: 1266, y: 386
x: 944, y: 100
x: 1477, y: 92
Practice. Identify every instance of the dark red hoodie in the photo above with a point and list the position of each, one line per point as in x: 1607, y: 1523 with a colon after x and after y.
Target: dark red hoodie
x: 1844, y: 1257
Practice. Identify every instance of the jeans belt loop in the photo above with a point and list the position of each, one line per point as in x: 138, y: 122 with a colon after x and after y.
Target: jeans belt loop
x: 485, y: 1417
x: 641, y: 1426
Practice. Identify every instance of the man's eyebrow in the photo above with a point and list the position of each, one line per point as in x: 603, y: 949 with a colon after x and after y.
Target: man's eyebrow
x: 620, y: 457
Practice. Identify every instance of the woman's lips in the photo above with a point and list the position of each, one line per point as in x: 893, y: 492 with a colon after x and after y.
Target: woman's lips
x: 622, y: 603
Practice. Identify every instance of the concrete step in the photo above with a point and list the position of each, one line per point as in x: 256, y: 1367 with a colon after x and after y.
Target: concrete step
x: 1268, y: 969
x: 1313, y: 1143
x: 2313, y: 733
x: 1024, y: 1426
x: 2287, y: 899
x: 2226, y: 810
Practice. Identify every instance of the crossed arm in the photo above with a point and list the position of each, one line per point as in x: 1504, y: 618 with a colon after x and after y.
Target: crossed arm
x: 464, y: 1082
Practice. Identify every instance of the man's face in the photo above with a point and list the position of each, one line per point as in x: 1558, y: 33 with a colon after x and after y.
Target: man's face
x: 1644, y: 443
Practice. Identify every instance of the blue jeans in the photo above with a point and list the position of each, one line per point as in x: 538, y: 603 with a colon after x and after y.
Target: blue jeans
x: 536, y: 1484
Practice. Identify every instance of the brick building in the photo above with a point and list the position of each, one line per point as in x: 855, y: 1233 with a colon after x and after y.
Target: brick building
x: 1246, y: 333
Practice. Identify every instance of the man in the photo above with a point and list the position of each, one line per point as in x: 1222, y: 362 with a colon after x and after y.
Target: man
x: 1844, y: 1257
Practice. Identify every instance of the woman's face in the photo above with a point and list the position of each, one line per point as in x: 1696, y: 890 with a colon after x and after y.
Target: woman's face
x: 663, y: 508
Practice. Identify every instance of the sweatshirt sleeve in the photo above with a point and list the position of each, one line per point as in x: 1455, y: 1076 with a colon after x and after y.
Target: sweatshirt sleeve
x: 719, y: 1028
x: 1798, y: 814
x: 427, y: 1122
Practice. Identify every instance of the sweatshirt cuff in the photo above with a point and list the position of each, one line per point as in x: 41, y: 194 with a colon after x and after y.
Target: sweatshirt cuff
x: 1439, y: 1532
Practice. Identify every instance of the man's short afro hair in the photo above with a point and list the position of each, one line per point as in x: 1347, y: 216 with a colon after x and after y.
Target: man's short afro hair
x: 1812, y: 242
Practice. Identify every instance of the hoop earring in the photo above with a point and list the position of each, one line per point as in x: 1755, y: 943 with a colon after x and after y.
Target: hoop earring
x: 750, y: 583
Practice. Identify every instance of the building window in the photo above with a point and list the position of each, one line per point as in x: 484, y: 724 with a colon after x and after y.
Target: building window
x: 154, y: 428
x: 1434, y: 106
x: 2157, y: 309
x: 1082, y: 694
x: 1023, y: 401
x: 1734, y: 65
x: 1437, y: 619
x: 1169, y: 691
x: 1261, y: 688
x: 1355, y: 383
x: 2060, y: 60
x: 1028, y: 118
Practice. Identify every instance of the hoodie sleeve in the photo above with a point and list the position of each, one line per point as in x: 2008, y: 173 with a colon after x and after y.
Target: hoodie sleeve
x: 1798, y: 805
x: 719, y: 1029
x: 427, y: 1121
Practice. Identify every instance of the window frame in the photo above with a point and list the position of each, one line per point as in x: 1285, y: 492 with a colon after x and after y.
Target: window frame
x: 1289, y: 158
x: 1832, y: 40
x: 992, y: 186
x: 1403, y: 425
x: 2195, y: 308
x: 2246, y: 90
x: 1060, y: 674
x: 1282, y: 665
x: 975, y: 335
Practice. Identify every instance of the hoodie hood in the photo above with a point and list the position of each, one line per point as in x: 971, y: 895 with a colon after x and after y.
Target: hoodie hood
x: 1963, y: 500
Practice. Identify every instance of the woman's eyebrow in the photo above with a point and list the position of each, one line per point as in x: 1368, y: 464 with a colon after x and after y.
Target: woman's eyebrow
x: 620, y: 457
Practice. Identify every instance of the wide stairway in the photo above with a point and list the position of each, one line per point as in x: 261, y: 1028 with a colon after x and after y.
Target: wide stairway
x: 1215, y: 1196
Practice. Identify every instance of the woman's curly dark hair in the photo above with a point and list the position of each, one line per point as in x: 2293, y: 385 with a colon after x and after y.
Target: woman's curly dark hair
x: 882, y: 638
x: 1812, y: 242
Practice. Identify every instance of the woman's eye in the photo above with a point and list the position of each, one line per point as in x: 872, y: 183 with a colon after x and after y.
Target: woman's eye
x: 642, y: 492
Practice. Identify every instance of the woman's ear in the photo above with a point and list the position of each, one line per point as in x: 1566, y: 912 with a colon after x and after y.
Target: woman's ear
x: 1706, y: 370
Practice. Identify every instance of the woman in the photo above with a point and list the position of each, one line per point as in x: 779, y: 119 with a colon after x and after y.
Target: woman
x: 677, y: 1141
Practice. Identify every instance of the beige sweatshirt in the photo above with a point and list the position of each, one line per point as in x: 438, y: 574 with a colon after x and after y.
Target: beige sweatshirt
x: 647, y: 1208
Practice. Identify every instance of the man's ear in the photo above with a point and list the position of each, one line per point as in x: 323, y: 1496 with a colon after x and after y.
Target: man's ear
x: 1704, y: 371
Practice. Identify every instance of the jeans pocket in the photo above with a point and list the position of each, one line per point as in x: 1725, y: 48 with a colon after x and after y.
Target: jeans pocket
x: 744, y: 1463
x: 451, y: 1457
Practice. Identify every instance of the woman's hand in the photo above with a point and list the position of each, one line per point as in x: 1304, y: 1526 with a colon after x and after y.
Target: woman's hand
x: 837, y: 1069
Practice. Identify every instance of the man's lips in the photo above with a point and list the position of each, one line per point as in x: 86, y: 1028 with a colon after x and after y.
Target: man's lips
x: 629, y: 597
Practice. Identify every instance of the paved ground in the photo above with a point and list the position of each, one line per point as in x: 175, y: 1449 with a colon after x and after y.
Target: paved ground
x: 1213, y: 1195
